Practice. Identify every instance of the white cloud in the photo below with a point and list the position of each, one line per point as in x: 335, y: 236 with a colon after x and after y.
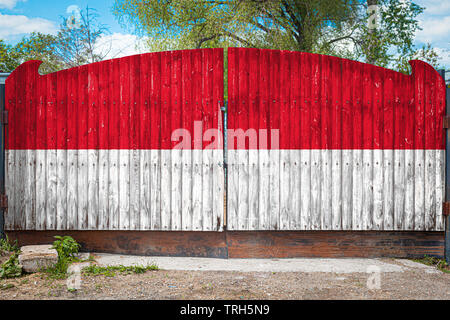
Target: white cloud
x: 11, y: 25
x: 434, y: 29
x: 9, y: 4
x: 435, y: 7
x: 118, y: 45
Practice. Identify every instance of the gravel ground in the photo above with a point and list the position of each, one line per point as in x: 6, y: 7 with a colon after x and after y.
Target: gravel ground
x: 413, y: 283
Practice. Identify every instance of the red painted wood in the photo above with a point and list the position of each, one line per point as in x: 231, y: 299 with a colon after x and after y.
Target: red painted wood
x: 359, y: 106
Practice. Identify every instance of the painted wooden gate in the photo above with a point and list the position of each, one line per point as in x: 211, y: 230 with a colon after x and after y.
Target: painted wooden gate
x: 333, y: 144
x: 314, y: 143
x: 92, y: 147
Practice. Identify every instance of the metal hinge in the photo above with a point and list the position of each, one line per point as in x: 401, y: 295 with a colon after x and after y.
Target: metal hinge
x: 446, y: 122
x: 446, y: 208
x: 4, y: 202
x: 4, y: 117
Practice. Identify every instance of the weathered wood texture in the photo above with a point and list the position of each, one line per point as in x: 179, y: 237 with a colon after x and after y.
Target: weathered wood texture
x: 251, y: 244
x: 322, y: 143
x: 106, y: 146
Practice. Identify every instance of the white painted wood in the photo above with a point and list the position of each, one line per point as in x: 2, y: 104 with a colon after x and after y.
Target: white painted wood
x: 72, y: 189
x: 206, y: 191
x: 61, y: 189
x: 176, y: 193
x: 285, y: 195
x: 419, y: 189
x: 399, y: 188
x: 357, y: 190
x: 305, y: 189
x: 124, y: 189
x: 254, y: 187
x: 30, y: 189
x: 263, y: 194
x: 113, y: 189
x: 274, y: 191
x: 378, y: 172
x: 186, y: 190
x: 367, y: 204
x: 347, y: 189
x: 134, y: 190
x: 51, y: 203
x: 321, y: 190
x: 430, y: 190
x: 145, y: 197
x: 19, y: 189
x: 294, y: 190
x: 388, y: 189
x: 93, y: 191
x: 337, y: 185
x: 440, y: 189
x: 155, y: 193
x: 103, y: 188
x: 41, y: 186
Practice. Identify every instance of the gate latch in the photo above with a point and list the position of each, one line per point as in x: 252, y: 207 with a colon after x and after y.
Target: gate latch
x: 446, y: 208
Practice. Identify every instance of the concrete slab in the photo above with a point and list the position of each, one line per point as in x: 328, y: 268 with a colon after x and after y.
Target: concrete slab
x: 308, y: 265
x: 33, y: 258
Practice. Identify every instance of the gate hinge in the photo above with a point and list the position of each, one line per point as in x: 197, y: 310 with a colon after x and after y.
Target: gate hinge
x: 446, y: 208
x: 3, y: 201
x: 4, y: 117
x: 446, y: 122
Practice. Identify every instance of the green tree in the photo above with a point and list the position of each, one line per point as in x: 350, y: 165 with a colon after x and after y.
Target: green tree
x: 335, y: 27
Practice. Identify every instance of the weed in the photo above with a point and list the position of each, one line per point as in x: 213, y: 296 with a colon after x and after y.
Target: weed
x: 67, y: 248
x: 440, y: 264
x: 11, y: 268
x: 7, y: 246
x: 110, y: 271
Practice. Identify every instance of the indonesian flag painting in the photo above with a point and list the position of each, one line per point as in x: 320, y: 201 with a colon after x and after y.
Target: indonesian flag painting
x: 313, y: 143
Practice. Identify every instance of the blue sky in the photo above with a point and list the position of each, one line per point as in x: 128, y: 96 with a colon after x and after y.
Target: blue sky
x: 20, y: 17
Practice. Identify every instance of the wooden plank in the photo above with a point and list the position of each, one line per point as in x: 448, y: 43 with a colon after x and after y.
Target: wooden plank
x: 113, y: 152
x: 285, y: 123
x: 103, y: 138
x: 264, y: 134
x: 72, y: 153
x: 144, y: 140
x: 407, y: 107
x: 377, y: 161
x: 187, y: 124
x: 51, y: 160
x: 367, y: 171
x: 175, y: 124
x: 419, y: 154
x: 82, y: 170
x: 135, y: 92
x: 93, y: 155
x: 124, y: 145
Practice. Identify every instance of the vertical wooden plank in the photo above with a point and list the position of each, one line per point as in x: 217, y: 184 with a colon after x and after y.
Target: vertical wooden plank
x: 51, y: 171
x: 145, y: 143
x: 155, y: 152
x: 419, y: 143
x: 377, y: 102
x: 408, y: 108
x: 82, y: 170
x: 305, y: 185
x: 113, y: 139
x: 103, y: 130
x: 294, y: 118
x: 254, y: 186
x: 243, y: 152
x: 368, y: 120
x: 72, y: 152
x: 41, y: 139
x: 187, y: 124
x: 166, y: 70
x: 357, y: 158
x: 347, y: 135
x: 399, y: 154
x: 19, y: 220
x: 134, y: 127
x: 30, y: 123
x: 263, y: 150
x: 124, y: 145
x: 197, y: 216
x: 440, y: 153
x: 429, y: 152
x: 285, y: 123
x: 11, y: 103
x: 61, y: 152
x: 175, y: 124
x: 218, y: 171
x: 336, y: 143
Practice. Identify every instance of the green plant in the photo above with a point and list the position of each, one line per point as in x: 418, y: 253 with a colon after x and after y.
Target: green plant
x: 11, y: 268
x: 110, y: 271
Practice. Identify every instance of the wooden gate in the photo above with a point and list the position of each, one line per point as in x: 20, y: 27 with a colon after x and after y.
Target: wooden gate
x: 92, y: 147
x: 332, y: 144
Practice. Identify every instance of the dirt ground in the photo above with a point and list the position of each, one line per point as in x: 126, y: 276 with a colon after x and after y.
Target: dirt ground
x: 165, y: 284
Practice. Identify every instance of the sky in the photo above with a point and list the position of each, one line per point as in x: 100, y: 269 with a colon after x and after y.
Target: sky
x: 20, y: 17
